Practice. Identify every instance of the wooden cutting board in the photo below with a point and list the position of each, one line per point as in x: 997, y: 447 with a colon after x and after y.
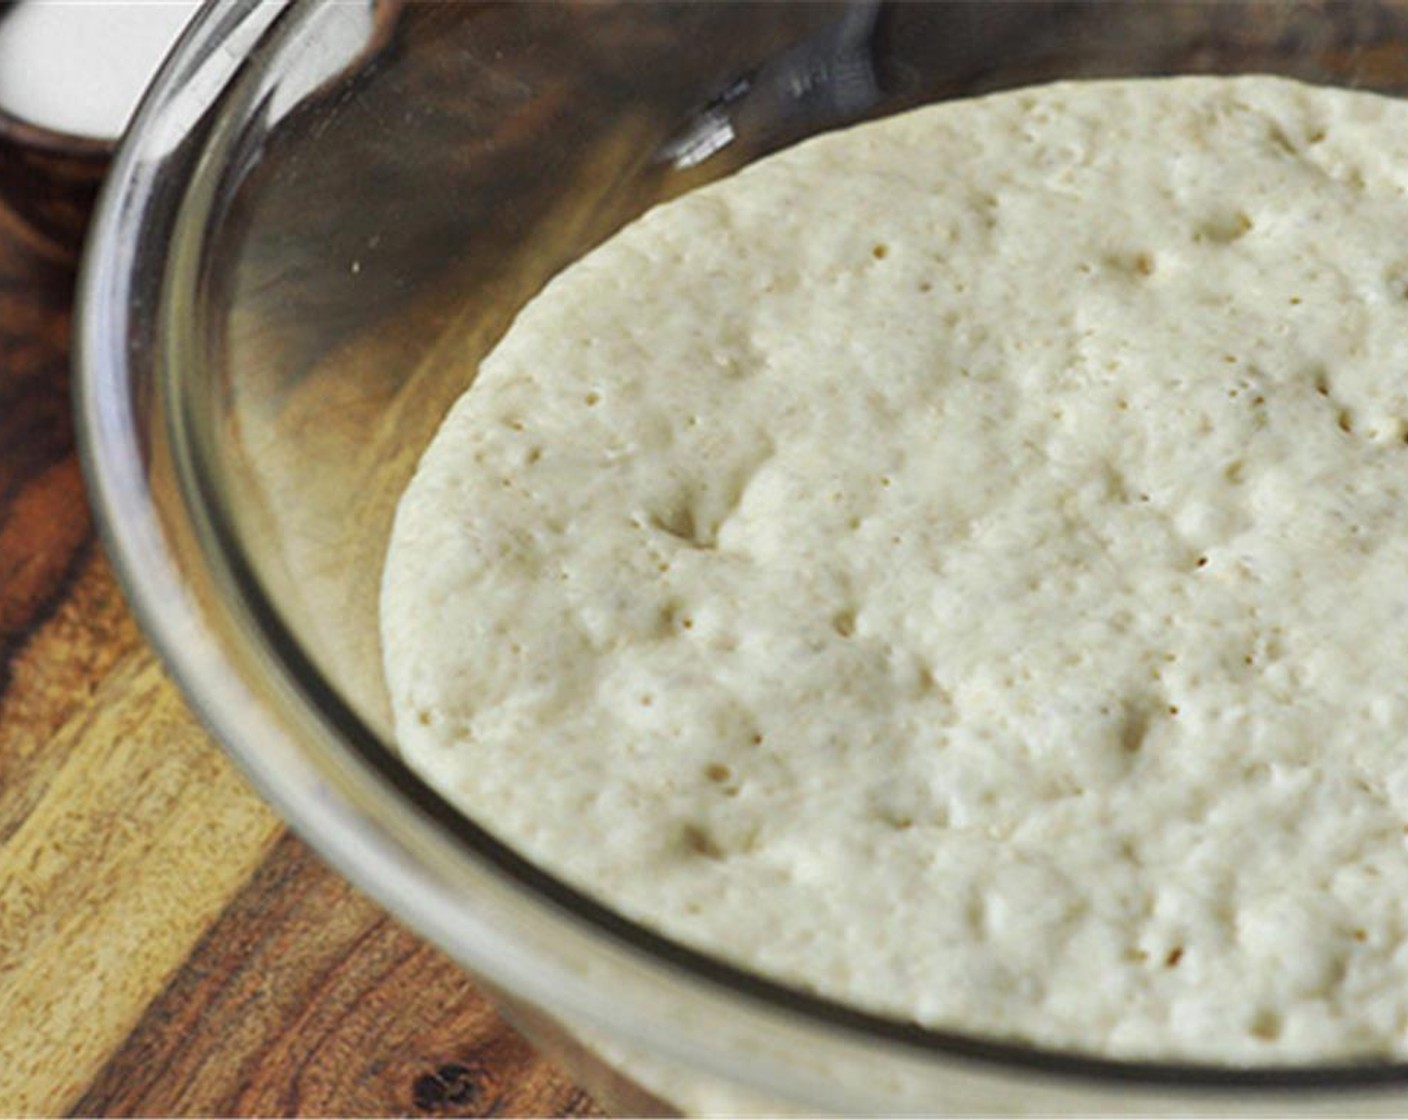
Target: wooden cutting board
x: 166, y: 947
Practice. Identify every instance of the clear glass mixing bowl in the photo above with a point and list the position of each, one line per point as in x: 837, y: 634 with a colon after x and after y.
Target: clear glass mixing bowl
x: 324, y: 212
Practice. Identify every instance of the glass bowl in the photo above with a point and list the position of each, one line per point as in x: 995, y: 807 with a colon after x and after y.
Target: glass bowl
x: 323, y: 214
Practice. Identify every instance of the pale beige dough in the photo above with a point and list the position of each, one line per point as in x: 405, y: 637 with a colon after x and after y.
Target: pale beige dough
x: 960, y: 565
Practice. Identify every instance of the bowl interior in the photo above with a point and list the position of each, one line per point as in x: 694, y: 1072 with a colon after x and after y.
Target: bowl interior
x: 382, y: 213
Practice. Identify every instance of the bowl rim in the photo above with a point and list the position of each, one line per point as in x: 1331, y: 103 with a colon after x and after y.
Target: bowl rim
x: 213, y: 682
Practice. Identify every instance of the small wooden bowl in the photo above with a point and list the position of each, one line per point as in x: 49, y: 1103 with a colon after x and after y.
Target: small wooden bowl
x: 49, y: 181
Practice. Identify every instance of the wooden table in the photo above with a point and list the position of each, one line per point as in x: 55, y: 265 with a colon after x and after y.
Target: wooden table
x: 166, y: 947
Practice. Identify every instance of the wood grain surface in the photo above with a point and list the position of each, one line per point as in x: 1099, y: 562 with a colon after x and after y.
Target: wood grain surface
x: 166, y: 948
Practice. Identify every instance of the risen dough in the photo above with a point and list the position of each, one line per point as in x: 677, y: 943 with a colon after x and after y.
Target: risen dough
x: 960, y: 565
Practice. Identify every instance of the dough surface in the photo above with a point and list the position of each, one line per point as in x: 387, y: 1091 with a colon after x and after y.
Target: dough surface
x: 960, y: 565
